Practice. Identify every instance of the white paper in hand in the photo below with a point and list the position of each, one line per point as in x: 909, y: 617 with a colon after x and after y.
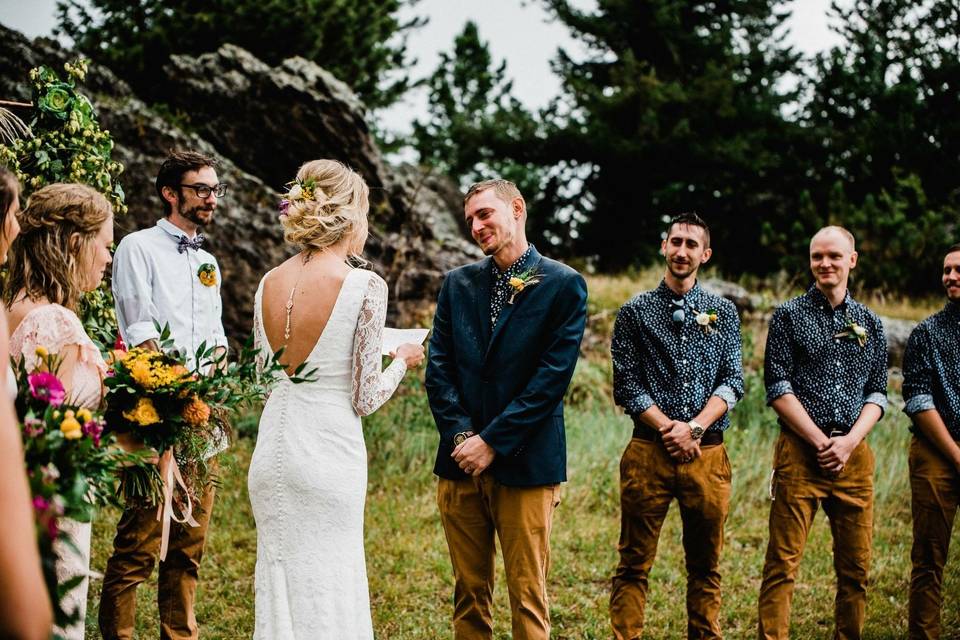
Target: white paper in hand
x: 393, y: 338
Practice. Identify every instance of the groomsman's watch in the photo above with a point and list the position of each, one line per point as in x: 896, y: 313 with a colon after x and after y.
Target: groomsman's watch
x: 460, y: 438
x: 696, y: 429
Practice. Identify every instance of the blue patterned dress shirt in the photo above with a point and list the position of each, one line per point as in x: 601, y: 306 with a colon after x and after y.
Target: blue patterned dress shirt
x: 500, y: 290
x: 931, y: 367
x: 662, y: 357
x: 832, y: 377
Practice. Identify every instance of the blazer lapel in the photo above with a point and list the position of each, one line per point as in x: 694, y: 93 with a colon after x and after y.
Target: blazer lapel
x: 481, y: 283
x: 507, y: 310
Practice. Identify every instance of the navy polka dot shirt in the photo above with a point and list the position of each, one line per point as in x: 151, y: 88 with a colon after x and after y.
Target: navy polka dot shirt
x: 931, y: 367
x: 833, y: 377
x: 501, y: 290
x: 663, y: 357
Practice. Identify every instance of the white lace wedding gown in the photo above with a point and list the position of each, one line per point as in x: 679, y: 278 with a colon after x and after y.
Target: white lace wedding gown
x: 308, y: 475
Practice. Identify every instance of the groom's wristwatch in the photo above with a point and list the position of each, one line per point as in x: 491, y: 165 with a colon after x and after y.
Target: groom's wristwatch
x: 459, y: 438
x: 696, y: 429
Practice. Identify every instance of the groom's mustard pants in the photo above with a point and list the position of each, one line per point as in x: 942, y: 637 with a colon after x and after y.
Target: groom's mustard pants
x: 649, y: 481
x: 472, y: 512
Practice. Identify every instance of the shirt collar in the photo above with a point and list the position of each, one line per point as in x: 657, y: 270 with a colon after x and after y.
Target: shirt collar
x: 173, y: 229
x: 952, y: 310
x: 690, y: 297
x: 517, y: 265
x: 816, y: 298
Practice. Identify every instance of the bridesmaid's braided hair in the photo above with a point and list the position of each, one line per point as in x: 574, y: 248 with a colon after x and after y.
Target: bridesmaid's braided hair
x: 44, y: 263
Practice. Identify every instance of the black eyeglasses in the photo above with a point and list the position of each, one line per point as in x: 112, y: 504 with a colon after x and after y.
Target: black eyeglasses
x: 203, y: 191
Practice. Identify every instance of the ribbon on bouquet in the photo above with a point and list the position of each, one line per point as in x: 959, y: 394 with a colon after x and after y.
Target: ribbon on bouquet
x: 170, y: 474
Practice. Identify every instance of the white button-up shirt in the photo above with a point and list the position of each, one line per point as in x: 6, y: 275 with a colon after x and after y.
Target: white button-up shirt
x: 154, y: 282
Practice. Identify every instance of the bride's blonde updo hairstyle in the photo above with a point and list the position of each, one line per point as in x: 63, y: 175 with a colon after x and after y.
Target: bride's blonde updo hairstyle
x: 327, y: 205
x: 45, y: 260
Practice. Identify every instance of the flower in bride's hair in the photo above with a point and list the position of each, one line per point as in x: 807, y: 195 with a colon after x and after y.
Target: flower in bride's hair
x: 284, y: 206
x: 296, y: 191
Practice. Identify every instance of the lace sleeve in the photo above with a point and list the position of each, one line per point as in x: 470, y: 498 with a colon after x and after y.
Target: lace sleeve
x: 53, y: 327
x: 371, y: 386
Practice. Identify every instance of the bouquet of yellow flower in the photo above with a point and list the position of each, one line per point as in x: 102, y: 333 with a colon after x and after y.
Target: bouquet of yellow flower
x: 71, y: 463
x: 179, y: 411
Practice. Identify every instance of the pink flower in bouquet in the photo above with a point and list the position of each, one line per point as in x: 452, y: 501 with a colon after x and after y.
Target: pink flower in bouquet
x: 49, y: 473
x: 32, y: 427
x: 94, y: 429
x: 46, y: 516
x: 46, y: 387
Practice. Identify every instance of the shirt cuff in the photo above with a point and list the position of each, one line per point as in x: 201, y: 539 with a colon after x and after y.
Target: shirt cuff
x: 777, y: 389
x: 728, y: 395
x: 641, y: 403
x: 878, y: 399
x: 916, y: 404
x: 139, y: 332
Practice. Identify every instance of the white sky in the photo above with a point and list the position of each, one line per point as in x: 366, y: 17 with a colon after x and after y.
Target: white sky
x: 516, y: 30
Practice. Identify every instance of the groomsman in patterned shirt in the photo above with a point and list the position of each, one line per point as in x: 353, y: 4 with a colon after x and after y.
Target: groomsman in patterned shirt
x: 931, y: 390
x: 677, y: 372
x: 825, y: 372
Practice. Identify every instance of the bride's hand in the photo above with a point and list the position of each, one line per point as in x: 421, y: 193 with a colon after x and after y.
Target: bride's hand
x: 412, y: 353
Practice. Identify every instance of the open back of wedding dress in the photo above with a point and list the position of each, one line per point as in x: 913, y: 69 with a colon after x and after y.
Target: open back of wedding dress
x: 308, y: 475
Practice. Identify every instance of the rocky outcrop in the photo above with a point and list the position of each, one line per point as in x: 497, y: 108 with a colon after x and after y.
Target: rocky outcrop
x: 897, y: 333
x: 263, y: 122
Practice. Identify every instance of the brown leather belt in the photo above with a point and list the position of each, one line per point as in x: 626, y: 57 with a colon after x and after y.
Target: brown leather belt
x: 650, y: 434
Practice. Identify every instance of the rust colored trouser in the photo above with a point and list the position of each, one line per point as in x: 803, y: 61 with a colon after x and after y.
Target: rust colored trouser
x: 472, y: 511
x: 135, y: 549
x: 935, y: 485
x: 847, y: 499
x: 649, y: 481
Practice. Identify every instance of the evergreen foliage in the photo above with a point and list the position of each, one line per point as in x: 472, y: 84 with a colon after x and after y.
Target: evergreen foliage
x: 362, y: 42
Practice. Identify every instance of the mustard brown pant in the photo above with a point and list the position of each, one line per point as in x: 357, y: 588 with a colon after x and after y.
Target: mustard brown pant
x: 472, y: 511
x: 800, y: 488
x: 935, y: 488
x: 135, y: 549
x: 649, y: 480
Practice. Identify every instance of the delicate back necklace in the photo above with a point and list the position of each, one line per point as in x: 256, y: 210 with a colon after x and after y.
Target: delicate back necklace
x: 289, y: 305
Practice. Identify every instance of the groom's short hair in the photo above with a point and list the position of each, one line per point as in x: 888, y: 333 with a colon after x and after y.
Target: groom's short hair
x: 504, y: 189
x: 174, y: 166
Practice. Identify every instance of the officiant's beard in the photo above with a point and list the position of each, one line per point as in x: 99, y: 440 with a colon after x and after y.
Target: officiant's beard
x: 200, y: 216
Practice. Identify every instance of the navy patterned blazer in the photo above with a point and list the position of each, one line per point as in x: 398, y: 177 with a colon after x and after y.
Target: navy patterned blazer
x: 506, y: 383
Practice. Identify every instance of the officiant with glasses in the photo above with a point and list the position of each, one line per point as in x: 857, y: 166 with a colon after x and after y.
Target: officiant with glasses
x: 677, y: 373
x: 163, y: 276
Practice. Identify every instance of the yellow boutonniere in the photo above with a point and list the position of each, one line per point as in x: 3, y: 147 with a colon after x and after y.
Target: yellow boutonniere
x: 521, y: 281
x: 207, y: 274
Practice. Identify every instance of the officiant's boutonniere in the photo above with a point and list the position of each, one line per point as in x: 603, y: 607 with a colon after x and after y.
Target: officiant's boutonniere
x: 207, y: 273
x: 523, y: 280
x: 853, y: 331
x: 708, y: 320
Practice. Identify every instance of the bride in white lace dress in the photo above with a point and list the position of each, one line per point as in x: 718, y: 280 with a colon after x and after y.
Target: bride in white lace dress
x: 308, y: 475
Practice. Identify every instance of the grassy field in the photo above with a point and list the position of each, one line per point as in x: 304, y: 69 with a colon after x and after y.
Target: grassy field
x: 410, y: 578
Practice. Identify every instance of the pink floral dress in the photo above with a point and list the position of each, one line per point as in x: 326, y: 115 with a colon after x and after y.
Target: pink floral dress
x: 55, y: 327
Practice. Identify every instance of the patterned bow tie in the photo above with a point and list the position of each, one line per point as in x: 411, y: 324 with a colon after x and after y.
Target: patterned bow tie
x: 185, y: 243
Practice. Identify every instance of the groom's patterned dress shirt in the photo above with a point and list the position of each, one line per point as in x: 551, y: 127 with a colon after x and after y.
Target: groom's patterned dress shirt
x: 931, y: 367
x: 501, y: 290
x: 662, y: 357
x: 833, y: 377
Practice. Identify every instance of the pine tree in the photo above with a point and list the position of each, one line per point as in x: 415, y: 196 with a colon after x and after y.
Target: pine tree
x: 362, y: 42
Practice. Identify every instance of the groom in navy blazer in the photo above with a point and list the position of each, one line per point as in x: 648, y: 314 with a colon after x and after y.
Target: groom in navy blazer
x: 506, y: 336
